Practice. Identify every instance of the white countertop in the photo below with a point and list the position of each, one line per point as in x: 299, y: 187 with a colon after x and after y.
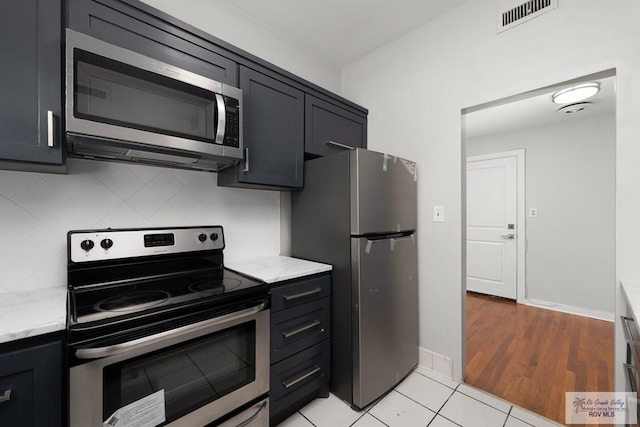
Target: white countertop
x: 30, y: 313
x: 631, y: 290
x: 277, y: 268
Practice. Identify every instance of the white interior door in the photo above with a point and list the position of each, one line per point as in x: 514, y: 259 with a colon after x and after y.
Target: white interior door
x: 491, y: 226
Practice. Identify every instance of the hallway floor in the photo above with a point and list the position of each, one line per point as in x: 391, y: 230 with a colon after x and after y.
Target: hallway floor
x: 423, y: 399
x: 532, y: 356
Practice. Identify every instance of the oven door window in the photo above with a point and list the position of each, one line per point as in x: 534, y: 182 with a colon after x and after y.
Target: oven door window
x: 192, y: 374
x: 112, y: 92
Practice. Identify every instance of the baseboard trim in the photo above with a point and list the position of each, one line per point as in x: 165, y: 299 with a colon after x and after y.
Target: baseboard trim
x: 435, y: 362
x: 580, y: 311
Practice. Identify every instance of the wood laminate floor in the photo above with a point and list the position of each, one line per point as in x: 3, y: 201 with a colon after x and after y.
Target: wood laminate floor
x: 531, y: 356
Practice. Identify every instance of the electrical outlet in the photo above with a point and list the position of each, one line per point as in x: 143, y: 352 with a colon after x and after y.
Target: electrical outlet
x: 438, y: 214
x: 533, y: 212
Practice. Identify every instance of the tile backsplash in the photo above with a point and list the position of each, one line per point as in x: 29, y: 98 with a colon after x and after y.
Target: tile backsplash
x: 37, y: 210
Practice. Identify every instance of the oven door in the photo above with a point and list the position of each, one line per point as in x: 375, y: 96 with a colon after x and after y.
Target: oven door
x: 198, y: 372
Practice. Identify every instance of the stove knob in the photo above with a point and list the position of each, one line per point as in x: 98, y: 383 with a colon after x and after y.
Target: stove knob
x: 87, y: 245
x: 214, y: 236
x: 106, y: 243
x: 202, y: 237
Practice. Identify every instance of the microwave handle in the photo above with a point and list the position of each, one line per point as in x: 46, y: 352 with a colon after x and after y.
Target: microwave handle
x: 100, y: 352
x: 222, y: 118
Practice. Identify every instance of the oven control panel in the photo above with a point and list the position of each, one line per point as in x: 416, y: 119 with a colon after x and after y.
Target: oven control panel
x: 103, y: 245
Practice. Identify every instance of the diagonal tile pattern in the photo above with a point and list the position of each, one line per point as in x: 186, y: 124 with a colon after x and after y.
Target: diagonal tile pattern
x: 423, y: 399
x: 38, y: 209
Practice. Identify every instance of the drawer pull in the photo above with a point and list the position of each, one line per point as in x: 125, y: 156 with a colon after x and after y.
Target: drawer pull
x: 288, y: 384
x: 302, y: 294
x: 6, y: 396
x: 626, y: 328
x: 289, y: 334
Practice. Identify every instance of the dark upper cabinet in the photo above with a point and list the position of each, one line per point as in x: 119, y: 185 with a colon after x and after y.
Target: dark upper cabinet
x: 137, y: 27
x: 273, y: 121
x: 31, y: 82
x: 329, y: 128
x: 31, y: 384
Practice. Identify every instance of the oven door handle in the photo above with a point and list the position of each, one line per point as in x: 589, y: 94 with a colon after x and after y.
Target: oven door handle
x: 100, y: 352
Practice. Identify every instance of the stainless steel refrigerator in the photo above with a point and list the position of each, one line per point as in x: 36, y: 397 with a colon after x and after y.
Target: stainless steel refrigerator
x: 358, y: 212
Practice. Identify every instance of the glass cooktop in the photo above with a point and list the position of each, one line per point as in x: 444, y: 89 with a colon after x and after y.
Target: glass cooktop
x: 130, y: 297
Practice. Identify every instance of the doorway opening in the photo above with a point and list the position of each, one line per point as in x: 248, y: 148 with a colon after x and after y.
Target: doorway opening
x: 540, y: 273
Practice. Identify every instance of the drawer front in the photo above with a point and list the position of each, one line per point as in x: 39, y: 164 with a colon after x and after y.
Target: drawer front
x: 300, y: 292
x: 299, y: 375
x: 299, y: 327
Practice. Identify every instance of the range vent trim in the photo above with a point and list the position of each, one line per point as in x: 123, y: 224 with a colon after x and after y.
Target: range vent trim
x: 524, y: 12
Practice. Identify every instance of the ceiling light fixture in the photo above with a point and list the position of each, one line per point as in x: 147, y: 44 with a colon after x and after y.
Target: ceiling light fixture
x: 577, y: 93
x: 574, y: 108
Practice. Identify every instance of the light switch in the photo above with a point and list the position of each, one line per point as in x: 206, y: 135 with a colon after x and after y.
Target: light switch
x: 533, y: 212
x: 438, y: 214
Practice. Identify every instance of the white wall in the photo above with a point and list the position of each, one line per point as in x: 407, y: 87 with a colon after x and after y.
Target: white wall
x: 218, y: 18
x: 458, y: 61
x: 37, y: 210
x: 570, y: 179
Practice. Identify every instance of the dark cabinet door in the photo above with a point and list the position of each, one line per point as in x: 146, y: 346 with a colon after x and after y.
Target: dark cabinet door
x: 31, y: 388
x: 331, y: 129
x: 30, y: 81
x: 129, y: 25
x: 273, y: 120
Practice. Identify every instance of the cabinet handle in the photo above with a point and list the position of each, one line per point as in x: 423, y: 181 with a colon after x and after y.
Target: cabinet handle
x: 246, y: 160
x: 296, y: 331
x: 301, y: 294
x: 288, y: 384
x: 340, y: 145
x: 6, y: 396
x: 50, y: 128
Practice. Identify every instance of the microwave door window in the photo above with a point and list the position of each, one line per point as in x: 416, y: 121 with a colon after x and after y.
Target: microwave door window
x: 108, y: 95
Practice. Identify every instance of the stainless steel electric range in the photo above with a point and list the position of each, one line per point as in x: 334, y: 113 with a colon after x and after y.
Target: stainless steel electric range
x: 161, y: 334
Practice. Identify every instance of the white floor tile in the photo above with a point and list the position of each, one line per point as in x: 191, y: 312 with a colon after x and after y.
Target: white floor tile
x: 514, y: 422
x: 440, y: 421
x: 368, y: 420
x: 330, y: 412
x: 435, y: 376
x: 398, y: 410
x: 485, y: 398
x: 531, y: 418
x: 425, y: 391
x: 469, y: 412
x: 296, y: 420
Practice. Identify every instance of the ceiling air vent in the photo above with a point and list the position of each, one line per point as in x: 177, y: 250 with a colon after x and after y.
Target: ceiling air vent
x: 524, y: 12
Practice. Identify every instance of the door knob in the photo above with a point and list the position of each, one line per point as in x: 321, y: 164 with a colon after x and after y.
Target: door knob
x: 508, y: 236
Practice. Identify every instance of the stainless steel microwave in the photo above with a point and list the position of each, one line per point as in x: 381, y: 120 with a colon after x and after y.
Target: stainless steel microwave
x: 124, y: 106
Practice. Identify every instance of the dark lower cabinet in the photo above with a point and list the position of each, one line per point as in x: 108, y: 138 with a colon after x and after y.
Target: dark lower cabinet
x: 300, y: 344
x: 31, y: 383
x: 273, y: 121
x: 31, y: 81
x: 330, y: 129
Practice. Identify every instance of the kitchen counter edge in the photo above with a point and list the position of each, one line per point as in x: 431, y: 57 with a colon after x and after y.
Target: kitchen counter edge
x: 30, y: 313
x: 277, y: 268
